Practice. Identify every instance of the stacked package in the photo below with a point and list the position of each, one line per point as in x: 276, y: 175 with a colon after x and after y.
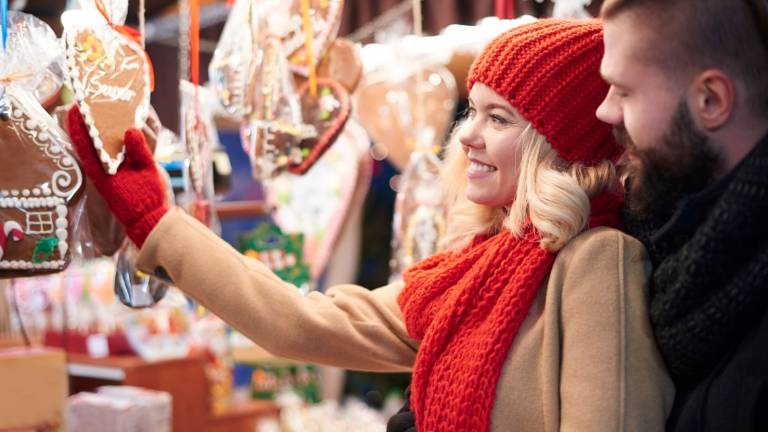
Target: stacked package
x: 118, y: 409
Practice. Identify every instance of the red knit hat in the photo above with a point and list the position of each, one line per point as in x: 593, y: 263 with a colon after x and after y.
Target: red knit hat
x: 550, y: 72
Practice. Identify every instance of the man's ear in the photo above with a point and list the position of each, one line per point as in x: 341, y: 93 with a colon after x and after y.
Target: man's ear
x: 712, y: 98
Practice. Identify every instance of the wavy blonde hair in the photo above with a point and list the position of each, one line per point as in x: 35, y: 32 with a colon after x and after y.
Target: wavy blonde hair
x: 551, y: 192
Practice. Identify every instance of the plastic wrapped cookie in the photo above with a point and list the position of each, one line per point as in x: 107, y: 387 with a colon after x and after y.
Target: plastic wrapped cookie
x: 40, y: 185
x: 110, y: 76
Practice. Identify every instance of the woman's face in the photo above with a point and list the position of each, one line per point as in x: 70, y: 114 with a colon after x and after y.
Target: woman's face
x: 490, y: 139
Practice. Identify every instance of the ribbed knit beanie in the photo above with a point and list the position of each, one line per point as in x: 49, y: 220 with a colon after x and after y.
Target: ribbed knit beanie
x: 550, y: 72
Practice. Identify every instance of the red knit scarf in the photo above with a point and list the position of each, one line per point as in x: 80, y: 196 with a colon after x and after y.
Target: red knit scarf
x: 466, y: 309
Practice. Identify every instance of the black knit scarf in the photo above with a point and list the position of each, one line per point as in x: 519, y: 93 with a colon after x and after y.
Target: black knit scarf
x: 710, y: 282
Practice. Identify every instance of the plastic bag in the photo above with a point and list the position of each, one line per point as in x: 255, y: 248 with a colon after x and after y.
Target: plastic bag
x: 232, y: 63
x: 33, y: 58
x: 272, y: 132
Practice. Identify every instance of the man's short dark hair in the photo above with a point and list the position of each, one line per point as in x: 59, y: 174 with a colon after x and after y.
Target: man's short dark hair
x: 693, y: 35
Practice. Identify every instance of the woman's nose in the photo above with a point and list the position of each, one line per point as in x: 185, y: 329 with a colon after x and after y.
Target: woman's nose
x: 469, y: 134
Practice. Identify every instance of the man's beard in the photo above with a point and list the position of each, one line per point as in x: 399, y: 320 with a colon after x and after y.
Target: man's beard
x: 683, y: 163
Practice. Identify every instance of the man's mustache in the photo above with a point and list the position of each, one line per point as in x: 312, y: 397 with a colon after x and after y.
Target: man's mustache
x: 622, y: 137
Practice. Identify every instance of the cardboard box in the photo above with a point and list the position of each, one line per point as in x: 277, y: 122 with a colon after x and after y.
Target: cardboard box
x: 33, y: 389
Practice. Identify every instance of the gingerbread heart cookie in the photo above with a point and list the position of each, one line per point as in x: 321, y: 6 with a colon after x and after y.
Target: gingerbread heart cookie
x: 327, y: 113
x: 109, y: 74
x: 390, y: 108
x: 342, y: 63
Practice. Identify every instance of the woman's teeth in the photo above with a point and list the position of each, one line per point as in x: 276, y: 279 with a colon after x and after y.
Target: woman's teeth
x: 478, y: 167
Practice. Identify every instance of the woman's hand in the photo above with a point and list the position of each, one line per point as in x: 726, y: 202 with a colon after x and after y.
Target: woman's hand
x: 135, y: 194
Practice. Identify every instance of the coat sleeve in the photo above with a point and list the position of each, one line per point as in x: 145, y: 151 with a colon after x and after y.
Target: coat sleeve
x: 348, y: 326
x: 612, y: 375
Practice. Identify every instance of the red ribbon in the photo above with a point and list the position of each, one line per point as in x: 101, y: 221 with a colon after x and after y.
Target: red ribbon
x: 194, y: 42
x: 132, y: 34
x: 504, y: 9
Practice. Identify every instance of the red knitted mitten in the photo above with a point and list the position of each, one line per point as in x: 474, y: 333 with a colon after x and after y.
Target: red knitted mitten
x: 136, y: 194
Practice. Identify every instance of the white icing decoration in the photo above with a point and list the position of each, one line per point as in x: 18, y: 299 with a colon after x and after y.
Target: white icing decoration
x: 28, y: 265
x: 110, y: 39
x: 36, y: 191
x: 25, y: 192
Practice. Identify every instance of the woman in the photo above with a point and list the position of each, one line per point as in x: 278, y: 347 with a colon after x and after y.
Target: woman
x: 535, y: 318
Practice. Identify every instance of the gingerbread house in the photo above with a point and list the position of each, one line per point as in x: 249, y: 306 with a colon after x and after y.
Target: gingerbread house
x: 40, y: 182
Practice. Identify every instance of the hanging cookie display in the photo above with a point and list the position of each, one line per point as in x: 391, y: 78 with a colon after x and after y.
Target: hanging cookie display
x: 419, y: 219
x: 198, y: 133
x: 273, y: 130
x: 110, y: 76
x: 388, y: 107
x: 230, y: 68
x: 318, y: 203
x: 39, y: 189
x: 33, y: 59
x: 342, y: 63
x: 285, y: 19
x: 326, y: 113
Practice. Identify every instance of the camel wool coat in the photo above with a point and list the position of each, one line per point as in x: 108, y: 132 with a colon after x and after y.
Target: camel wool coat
x: 584, y: 359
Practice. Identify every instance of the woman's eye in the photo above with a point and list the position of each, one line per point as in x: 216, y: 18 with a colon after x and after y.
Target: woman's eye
x: 470, y: 112
x: 499, y: 120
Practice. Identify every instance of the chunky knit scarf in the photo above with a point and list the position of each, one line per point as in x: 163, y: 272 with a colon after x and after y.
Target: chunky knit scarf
x: 711, y: 283
x: 466, y: 309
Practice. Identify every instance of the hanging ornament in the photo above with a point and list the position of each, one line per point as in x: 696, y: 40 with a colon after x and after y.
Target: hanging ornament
x: 231, y: 67
x: 111, y: 78
x: 33, y: 58
x: 419, y: 220
x: 326, y: 113
x: 39, y: 189
x: 388, y: 106
x: 272, y: 132
x: 285, y: 19
x: 318, y: 203
x: 198, y: 132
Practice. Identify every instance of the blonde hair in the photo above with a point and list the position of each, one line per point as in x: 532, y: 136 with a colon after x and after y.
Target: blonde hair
x: 552, y: 194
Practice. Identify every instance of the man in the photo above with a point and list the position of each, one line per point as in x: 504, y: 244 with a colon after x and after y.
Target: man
x: 689, y: 99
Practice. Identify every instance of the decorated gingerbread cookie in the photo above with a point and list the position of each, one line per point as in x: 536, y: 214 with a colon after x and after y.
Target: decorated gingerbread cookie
x: 327, y: 112
x: 390, y: 107
x: 39, y: 190
x: 109, y: 74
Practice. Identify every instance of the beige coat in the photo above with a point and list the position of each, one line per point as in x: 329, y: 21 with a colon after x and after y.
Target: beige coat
x: 584, y: 359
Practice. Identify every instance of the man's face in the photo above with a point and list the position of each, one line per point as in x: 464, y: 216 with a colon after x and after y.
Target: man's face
x: 667, y: 156
x: 682, y: 163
